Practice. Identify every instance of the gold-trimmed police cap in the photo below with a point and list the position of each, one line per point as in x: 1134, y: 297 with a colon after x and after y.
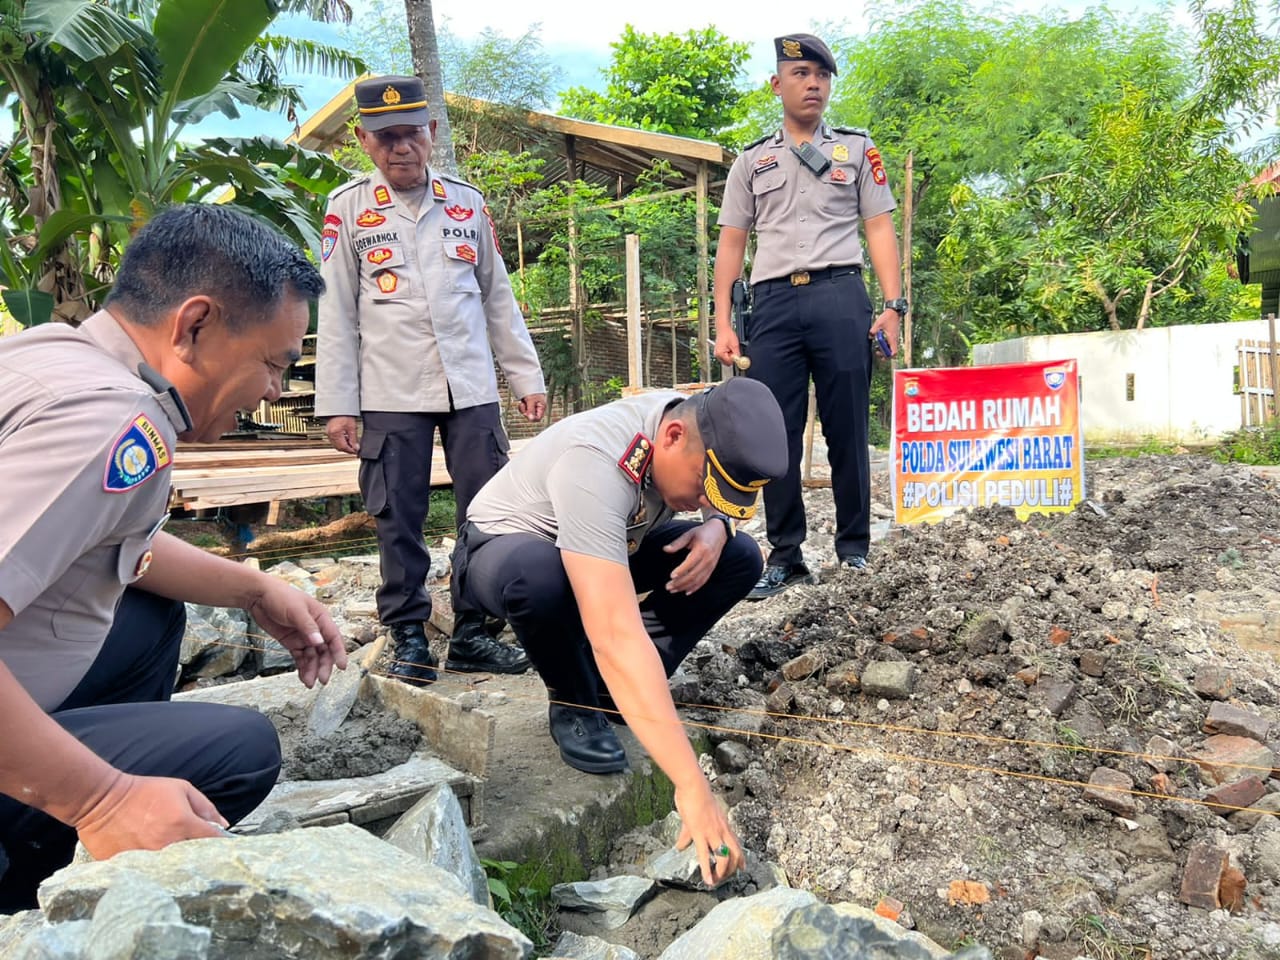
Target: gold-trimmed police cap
x: 392, y: 101
x: 804, y: 46
x: 746, y: 444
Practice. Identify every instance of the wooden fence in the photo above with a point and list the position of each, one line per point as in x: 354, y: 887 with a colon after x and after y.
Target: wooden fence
x: 1258, y: 376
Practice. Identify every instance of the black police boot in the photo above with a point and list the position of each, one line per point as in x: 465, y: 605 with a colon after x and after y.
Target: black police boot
x: 414, y: 663
x: 586, y: 740
x: 777, y: 577
x: 472, y: 650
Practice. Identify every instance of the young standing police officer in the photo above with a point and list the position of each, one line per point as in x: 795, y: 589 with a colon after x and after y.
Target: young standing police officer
x: 803, y: 190
x: 417, y: 296
x: 563, y: 539
x: 207, y: 312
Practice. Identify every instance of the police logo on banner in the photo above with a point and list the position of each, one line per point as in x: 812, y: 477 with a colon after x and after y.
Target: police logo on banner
x: 1055, y: 377
x: 138, y: 454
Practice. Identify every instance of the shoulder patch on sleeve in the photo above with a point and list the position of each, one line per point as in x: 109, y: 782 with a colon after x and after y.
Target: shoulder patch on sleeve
x: 635, y: 459
x: 138, y: 454
x: 856, y: 131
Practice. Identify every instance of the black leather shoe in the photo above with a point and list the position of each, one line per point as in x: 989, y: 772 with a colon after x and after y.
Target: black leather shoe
x: 414, y: 663
x: 777, y: 577
x: 586, y: 740
x: 854, y: 561
x: 472, y: 650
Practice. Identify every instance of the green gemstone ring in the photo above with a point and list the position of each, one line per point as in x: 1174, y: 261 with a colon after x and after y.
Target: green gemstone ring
x: 724, y: 850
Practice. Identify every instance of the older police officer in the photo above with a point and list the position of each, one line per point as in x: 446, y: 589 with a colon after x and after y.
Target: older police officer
x: 803, y: 190
x: 208, y: 310
x: 563, y: 539
x: 417, y: 295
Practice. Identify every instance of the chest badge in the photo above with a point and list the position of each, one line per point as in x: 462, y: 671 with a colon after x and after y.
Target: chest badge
x: 840, y: 153
x: 370, y: 218
x: 379, y: 255
x: 381, y: 196
x: 388, y: 281
x: 138, y: 454
x: 838, y: 176
x: 467, y: 252
x: 143, y: 564
x: 459, y: 212
x: 635, y: 459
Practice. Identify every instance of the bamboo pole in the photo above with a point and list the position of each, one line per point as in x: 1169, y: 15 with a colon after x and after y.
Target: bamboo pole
x: 1275, y: 366
x: 907, y: 212
x: 704, y: 308
x: 634, y: 376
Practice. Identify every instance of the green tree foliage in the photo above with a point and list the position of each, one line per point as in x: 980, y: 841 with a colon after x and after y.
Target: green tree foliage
x: 101, y: 98
x: 685, y: 85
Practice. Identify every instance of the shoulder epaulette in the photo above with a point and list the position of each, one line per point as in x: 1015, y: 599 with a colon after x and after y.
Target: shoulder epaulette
x: 854, y: 130
x: 452, y: 179
x: 756, y: 143
x: 350, y: 184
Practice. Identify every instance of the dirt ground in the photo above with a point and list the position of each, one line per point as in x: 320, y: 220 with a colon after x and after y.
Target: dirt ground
x: 975, y: 776
x: 1041, y: 651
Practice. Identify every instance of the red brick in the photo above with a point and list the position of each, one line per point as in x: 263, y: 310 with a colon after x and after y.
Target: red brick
x: 1161, y: 783
x: 1203, y: 876
x: 1058, y: 636
x: 1224, y: 759
x: 1241, y: 793
x: 890, y: 908
x: 1231, y: 889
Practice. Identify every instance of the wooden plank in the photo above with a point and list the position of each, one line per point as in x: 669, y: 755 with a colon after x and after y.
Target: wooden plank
x: 273, y: 513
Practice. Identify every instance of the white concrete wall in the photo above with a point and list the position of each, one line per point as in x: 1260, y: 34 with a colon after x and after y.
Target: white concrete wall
x: 1183, y: 378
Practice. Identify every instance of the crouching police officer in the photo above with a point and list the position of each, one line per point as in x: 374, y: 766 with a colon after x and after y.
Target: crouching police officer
x: 563, y: 539
x: 208, y: 310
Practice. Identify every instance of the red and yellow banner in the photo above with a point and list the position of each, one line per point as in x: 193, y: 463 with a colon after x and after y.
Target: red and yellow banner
x: 1006, y: 435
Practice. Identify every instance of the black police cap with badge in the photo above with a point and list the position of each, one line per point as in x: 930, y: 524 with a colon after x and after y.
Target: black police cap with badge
x: 804, y: 46
x: 745, y: 440
x: 392, y: 101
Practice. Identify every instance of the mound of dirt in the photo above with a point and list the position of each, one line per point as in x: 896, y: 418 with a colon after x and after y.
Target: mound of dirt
x: 932, y: 721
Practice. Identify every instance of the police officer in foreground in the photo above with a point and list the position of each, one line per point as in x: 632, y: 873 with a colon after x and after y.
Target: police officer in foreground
x: 563, y: 539
x: 803, y: 190
x: 208, y: 310
x: 417, y: 304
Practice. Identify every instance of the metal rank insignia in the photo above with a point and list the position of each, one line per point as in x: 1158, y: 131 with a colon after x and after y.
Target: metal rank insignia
x: 390, y: 96
x: 636, y: 457
x: 791, y: 49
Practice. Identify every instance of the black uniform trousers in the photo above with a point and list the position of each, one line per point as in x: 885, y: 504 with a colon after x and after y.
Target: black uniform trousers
x: 230, y: 754
x: 395, y: 481
x: 819, y: 330
x: 521, y: 578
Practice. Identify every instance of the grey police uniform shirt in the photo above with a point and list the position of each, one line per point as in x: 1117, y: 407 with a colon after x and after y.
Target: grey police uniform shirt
x: 583, y: 483
x: 414, y: 302
x: 85, y: 448
x: 803, y: 221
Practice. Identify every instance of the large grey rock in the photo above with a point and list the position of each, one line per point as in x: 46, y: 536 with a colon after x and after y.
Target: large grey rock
x: 676, y: 868
x: 435, y: 830
x: 739, y: 929
x: 216, y: 641
x: 614, y: 899
x: 136, y: 918
x: 63, y: 941
x: 573, y: 946
x: 319, y: 893
x: 822, y: 932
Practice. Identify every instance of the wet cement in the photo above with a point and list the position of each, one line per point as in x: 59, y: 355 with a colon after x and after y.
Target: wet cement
x: 369, y: 741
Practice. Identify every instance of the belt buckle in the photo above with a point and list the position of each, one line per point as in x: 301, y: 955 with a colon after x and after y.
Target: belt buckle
x: 800, y: 278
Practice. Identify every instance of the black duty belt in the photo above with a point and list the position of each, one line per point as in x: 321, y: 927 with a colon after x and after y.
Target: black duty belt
x: 802, y: 278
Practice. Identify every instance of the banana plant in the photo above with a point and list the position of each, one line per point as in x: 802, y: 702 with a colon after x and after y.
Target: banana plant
x: 104, y: 97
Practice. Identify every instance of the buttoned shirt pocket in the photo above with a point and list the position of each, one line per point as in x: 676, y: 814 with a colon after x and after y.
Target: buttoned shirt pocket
x: 385, y: 270
x: 460, y: 266
x: 79, y: 602
x: 768, y: 181
x: 840, y: 189
x: 372, y: 477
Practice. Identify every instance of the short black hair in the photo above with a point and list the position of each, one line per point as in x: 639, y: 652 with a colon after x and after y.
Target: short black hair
x: 216, y: 250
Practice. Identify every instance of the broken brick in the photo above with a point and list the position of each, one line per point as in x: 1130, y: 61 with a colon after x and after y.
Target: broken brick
x: 1231, y: 889
x: 1203, y: 876
x: 1223, y: 759
x: 967, y: 893
x: 1236, y: 722
x: 1161, y: 783
x: 1112, y: 790
x: 890, y: 908
x: 1058, y: 636
x: 1241, y: 793
x: 802, y: 667
x: 1214, y: 682
x: 1028, y: 675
